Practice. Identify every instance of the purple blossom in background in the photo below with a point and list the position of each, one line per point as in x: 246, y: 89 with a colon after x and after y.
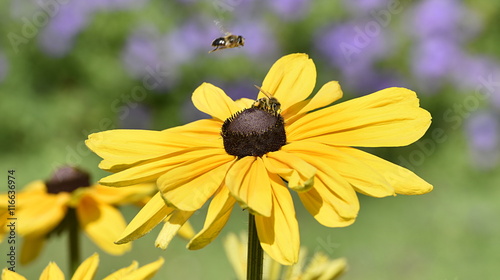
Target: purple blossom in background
x: 147, y: 50
x: 364, y: 79
x: 290, y: 9
x: 441, y: 28
x: 348, y: 43
x: 437, y: 18
x: 99, y: 5
x: 433, y: 60
x: 188, y: 40
x: 354, y: 51
x: 58, y: 36
x: 141, y: 50
x: 144, y: 58
x: 444, y: 18
x: 474, y: 72
x: 259, y: 41
x: 483, y: 130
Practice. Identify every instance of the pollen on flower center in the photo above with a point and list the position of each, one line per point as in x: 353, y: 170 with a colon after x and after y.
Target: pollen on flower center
x: 253, y: 132
x: 67, y: 179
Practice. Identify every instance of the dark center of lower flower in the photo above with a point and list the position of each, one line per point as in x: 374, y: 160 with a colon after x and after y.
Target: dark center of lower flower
x: 253, y: 132
x: 67, y: 179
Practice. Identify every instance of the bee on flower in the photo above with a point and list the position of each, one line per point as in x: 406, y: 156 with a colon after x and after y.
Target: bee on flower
x: 249, y: 155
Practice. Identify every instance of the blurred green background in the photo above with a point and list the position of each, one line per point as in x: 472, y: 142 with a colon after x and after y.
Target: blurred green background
x: 72, y: 67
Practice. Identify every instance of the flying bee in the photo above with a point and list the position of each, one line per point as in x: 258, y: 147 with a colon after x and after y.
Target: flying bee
x: 228, y: 42
x: 268, y: 103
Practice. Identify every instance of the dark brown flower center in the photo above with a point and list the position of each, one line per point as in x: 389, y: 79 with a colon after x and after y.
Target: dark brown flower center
x: 67, y: 179
x: 253, y: 132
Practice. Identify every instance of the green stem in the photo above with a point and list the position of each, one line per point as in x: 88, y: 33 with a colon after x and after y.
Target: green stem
x: 255, y: 255
x: 74, y: 241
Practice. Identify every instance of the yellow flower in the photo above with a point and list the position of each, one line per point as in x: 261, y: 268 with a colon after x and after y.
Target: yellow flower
x: 87, y: 270
x: 319, y: 267
x: 42, y: 208
x: 248, y: 150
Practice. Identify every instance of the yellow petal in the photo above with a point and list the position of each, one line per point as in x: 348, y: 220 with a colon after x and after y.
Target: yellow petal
x: 322, y: 268
x: 190, y: 185
x: 291, y: 79
x: 119, y: 274
x: 29, y: 193
x: 236, y: 253
x: 201, y: 128
x: 139, y: 174
x: 329, y: 93
x: 153, y: 213
x: 401, y: 179
x: 122, y: 148
x: 151, y: 170
x: 45, y: 213
x: 172, y: 225
x: 321, y: 202
x: 361, y: 176
x: 331, y: 194
x: 279, y: 233
x: 249, y: 182
x: 390, y: 117
x: 298, y: 173
x: 218, y: 213
x: 296, y: 271
x: 52, y: 272
x: 103, y: 224
x: 213, y: 101
x: 87, y: 269
x: 244, y: 103
x: 35, y: 186
x: 120, y: 196
x: 31, y: 248
x: 10, y: 275
x: 146, y: 272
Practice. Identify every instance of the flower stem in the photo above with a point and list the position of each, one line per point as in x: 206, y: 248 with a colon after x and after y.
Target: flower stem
x: 74, y: 241
x: 255, y: 255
